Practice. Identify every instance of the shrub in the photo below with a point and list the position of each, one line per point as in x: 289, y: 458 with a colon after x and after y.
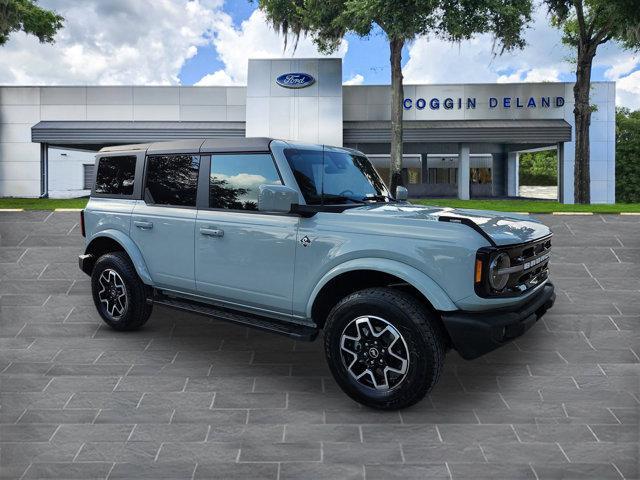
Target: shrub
x: 539, y: 168
x: 627, y: 156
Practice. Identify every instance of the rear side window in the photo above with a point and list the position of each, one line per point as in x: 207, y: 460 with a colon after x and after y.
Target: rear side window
x: 234, y: 179
x: 172, y: 180
x: 116, y: 175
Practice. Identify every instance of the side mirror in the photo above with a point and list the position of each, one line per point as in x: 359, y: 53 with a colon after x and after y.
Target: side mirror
x: 401, y: 193
x: 276, y: 198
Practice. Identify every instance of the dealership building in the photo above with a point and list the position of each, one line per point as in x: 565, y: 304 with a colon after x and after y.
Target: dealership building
x: 460, y: 140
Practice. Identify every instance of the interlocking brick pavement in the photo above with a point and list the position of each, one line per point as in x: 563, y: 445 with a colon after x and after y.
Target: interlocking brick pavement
x: 189, y: 397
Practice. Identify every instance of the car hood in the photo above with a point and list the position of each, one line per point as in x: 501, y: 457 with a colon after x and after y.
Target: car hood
x: 503, y: 228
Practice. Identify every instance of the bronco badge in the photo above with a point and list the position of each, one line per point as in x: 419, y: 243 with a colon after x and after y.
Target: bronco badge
x: 305, y: 241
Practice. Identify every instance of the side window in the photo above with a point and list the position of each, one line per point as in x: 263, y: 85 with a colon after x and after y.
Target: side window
x: 116, y: 175
x: 235, y: 178
x: 172, y: 180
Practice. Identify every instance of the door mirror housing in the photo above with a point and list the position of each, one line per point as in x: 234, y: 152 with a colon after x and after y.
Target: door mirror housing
x: 401, y: 193
x: 276, y: 198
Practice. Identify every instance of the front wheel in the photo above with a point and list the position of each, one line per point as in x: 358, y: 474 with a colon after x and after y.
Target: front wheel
x: 118, y: 293
x: 383, y: 348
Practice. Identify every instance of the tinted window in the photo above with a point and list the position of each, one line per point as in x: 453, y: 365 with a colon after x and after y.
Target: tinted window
x: 234, y: 179
x: 337, y: 177
x: 116, y: 175
x: 172, y: 180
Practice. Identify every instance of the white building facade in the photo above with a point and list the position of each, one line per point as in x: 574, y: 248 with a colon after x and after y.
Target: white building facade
x: 460, y: 140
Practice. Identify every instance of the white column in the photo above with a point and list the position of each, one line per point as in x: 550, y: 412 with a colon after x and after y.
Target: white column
x: 561, y: 174
x: 513, y: 163
x: 463, y: 171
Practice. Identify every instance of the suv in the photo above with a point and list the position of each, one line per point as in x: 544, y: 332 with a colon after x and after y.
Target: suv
x: 294, y: 238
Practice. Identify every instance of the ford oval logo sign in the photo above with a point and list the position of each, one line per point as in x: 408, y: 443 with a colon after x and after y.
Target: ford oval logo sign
x: 295, y: 80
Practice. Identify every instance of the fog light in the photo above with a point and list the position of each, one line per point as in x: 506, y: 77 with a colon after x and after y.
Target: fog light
x: 496, y: 280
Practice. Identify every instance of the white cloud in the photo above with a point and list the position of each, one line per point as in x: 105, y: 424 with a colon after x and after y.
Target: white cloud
x: 432, y: 60
x: 253, y: 39
x: 544, y: 59
x: 114, y: 42
x: 622, y: 65
x: 357, y: 79
x: 531, y: 75
x: 216, y: 78
x: 628, y: 91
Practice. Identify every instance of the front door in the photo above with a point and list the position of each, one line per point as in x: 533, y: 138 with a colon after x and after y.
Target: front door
x: 163, y: 224
x: 244, y: 258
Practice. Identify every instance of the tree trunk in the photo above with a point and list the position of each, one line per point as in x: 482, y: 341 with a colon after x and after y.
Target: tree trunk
x: 582, y: 113
x: 397, y: 97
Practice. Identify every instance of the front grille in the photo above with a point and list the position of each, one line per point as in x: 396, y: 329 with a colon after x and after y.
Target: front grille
x: 529, y: 264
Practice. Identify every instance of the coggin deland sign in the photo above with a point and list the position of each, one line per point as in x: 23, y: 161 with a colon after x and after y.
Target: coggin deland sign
x: 302, y: 80
x: 469, y: 103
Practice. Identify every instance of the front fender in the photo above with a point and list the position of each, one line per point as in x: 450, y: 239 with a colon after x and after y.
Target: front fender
x: 423, y: 283
x: 130, y: 247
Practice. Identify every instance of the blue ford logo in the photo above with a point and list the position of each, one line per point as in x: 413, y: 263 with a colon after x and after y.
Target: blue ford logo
x: 295, y: 80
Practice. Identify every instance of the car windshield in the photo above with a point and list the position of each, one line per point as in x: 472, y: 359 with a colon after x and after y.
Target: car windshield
x: 335, y: 177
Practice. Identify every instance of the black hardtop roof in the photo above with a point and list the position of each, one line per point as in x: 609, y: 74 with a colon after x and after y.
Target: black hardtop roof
x: 203, y: 145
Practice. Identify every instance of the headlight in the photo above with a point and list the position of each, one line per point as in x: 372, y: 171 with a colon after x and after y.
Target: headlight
x: 499, y: 262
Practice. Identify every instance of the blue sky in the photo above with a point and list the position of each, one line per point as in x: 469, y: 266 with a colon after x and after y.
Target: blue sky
x: 366, y: 56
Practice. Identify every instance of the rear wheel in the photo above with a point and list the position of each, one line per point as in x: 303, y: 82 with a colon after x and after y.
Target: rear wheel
x: 118, y: 293
x: 383, y: 348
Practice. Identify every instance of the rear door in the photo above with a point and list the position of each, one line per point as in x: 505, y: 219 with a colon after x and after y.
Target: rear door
x: 244, y: 257
x: 163, y: 222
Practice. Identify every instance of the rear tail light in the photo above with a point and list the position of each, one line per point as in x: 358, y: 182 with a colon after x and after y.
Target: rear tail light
x: 82, y: 231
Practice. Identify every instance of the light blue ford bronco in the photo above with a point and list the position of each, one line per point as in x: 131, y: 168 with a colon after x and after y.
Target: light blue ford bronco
x: 295, y: 238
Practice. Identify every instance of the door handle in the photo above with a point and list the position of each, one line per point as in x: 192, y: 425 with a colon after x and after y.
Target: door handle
x: 143, y: 225
x: 212, y: 232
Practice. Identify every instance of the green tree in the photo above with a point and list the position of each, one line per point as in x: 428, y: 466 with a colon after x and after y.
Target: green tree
x: 27, y: 16
x: 587, y: 24
x: 627, y: 155
x: 328, y: 21
x: 539, y: 168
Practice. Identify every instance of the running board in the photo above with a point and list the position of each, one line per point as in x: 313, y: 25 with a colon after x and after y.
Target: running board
x: 289, y: 329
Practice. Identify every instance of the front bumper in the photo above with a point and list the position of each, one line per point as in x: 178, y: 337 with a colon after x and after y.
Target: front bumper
x: 475, y: 333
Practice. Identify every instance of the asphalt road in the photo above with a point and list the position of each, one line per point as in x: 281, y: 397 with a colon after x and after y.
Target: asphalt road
x: 188, y: 397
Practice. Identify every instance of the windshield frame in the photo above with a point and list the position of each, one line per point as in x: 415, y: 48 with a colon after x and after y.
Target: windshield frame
x: 379, y: 190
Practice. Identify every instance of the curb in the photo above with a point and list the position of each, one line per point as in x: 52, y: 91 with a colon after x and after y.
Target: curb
x: 571, y: 213
x: 11, y: 209
x: 67, y: 210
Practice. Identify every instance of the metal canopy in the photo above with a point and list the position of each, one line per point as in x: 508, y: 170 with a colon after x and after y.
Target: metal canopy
x: 88, y: 133
x: 454, y: 131
x: 117, y: 133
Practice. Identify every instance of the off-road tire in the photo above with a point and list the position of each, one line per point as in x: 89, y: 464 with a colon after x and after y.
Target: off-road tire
x: 137, y: 309
x: 422, y: 334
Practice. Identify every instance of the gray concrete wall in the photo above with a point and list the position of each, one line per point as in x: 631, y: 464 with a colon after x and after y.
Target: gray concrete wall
x: 20, y: 108
x: 23, y: 107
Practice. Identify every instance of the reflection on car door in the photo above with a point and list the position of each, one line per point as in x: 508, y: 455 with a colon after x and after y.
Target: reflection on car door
x: 163, y: 223
x: 244, y: 258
